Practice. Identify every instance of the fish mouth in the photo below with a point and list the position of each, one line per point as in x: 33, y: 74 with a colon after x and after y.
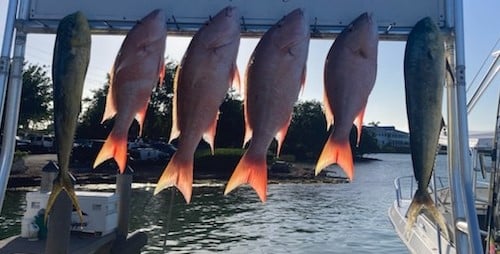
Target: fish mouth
x: 229, y: 11
x: 368, y: 16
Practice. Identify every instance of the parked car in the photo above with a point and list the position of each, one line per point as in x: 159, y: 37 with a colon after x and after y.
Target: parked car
x: 85, y: 151
x: 42, y: 143
x: 151, y: 152
x: 22, y: 144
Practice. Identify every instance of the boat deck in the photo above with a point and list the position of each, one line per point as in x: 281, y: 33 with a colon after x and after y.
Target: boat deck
x: 79, y: 244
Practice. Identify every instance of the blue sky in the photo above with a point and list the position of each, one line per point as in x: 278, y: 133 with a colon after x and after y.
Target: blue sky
x: 386, y: 103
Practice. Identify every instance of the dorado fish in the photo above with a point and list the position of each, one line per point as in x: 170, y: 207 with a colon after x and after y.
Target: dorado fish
x: 424, y: 74
x: 137, y: 67
x: 350, y: 72
x: 275, y: 74
x: 69, y: 67
x: 201, y: 83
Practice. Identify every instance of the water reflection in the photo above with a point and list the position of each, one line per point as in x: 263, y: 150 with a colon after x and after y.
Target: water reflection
x: 297, y: 218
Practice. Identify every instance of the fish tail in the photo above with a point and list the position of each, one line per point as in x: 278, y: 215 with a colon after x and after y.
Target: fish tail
x: 336, y: 152
x: 114, y: 147
x: 63, y: 183
x: 178, y: 173
x: 422, y: 200
x: 251, y: 170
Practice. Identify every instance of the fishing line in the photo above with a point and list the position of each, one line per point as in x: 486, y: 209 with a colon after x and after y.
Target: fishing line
x: 482, y: 65
x: 169, y: 218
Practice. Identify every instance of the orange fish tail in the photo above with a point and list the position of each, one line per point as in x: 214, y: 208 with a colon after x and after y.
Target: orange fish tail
x: 336, y: 152
x: 114, y: 147
x: 250, y: 170
x: 178, y: 173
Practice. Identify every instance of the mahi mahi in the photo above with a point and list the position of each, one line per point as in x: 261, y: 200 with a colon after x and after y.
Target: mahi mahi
x: 424, y: 74
x: 69, y: 67
x: 201, y: 83
x: 350, y: 72
x: 275, y: 74
x: 137, y: 67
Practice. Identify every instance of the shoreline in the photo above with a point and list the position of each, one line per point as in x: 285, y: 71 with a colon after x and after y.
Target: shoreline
x: 299, y: 172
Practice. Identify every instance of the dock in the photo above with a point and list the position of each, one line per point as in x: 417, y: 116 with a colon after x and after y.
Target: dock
x: 79, y: 244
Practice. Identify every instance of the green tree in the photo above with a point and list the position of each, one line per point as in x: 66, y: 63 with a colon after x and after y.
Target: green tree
x: 158, y: 120
x: 367, y: 143
x: 36, y: 98
x: 307, y: 133
x: 90, y: 121
x: 158, y: 117
x: 231, y: 123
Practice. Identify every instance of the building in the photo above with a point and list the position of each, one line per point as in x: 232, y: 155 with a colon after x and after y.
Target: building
x: 389, y: 139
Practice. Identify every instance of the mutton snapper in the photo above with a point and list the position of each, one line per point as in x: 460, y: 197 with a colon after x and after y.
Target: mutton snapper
x: 424, y: 74
x: 69, y: 67
x: 349, y: 77
x: 201, y: 83
x: 136, y: 70
x: 275, y: 74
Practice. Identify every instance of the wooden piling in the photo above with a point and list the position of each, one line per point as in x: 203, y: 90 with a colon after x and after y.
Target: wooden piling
x: 59, y: 225
x: 124, y: 192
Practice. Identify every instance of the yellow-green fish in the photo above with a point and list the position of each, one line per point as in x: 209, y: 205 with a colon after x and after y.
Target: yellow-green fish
x: 424, y: 73
x: 69, y: 67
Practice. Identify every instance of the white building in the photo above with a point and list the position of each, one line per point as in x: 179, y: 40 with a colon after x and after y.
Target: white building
x: 388, y: 137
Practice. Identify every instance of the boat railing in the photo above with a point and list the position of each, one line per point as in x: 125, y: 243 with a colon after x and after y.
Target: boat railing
x: 406, y: 186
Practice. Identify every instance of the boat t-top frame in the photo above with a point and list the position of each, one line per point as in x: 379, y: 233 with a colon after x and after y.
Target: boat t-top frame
x: 326, y: 17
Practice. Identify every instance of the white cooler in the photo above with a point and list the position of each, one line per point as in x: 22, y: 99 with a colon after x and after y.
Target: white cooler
x: 100, y: 210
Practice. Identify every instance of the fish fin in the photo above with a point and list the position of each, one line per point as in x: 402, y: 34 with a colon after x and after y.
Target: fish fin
x: 114, y: 147
x: 161, y: 74
x: 175, y: 131
x: 140, y: 116
x: 178, y: 173
x: 251, y: 170
x: 209, y: 134
x: 328, y: 112
x: 236, y: 81
x: 248, y: 132
x: 63, y: 183
x: 280, y: 136
x: 110, y: 109
x: 358, y: 121
x: 422, y: 200
x: 336, y: 152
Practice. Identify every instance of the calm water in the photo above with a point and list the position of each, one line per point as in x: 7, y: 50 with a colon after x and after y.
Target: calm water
x: 297, y: 218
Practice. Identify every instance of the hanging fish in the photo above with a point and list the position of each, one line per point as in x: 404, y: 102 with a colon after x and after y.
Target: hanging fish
x: 135, y: 72
x: 69, y: 67
x: 424, y: 73
x: 275, y: 74
x: 201, y: 83
x: 350, y: 72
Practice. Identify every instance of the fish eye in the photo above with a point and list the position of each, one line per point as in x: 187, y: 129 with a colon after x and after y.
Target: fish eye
x: 350, y: 28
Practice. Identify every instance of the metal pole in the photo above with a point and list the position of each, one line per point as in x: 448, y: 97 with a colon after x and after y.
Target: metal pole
x: 4, y: 71
x: 485, y: 82
x: 5, y: 55
x: 12, y: 113
x: 461, y: 241
x: 463, y: 135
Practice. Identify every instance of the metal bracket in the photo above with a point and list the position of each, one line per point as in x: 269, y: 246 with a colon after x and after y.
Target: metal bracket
x: 4, y: 65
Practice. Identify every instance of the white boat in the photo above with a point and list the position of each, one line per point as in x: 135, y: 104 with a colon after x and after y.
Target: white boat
x: 425, y: 236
